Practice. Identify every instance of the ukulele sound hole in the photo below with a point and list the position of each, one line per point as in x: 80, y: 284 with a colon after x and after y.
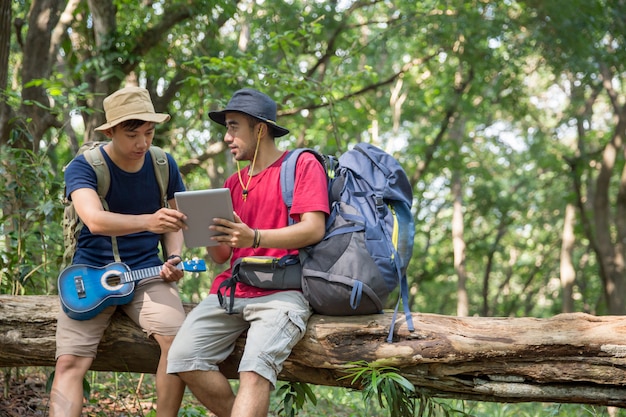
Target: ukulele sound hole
x: 112, y: 280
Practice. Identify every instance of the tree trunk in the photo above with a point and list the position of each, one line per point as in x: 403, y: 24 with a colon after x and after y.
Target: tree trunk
x: 571, y: 358
x: 568, y: 273
x: 610, y: 229
x: 458, y: 227
x: 5, y: 47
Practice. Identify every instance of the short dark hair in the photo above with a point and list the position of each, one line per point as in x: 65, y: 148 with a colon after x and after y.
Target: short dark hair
x: 132, y: 124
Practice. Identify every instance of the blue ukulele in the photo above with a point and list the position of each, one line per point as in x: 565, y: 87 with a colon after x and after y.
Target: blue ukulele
x: 87, y: 290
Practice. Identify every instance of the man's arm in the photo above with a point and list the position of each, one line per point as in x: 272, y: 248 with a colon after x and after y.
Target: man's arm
x: 309, y: 230
x: 173, y: 241
x: 99, y: 221
x: 220, y: 253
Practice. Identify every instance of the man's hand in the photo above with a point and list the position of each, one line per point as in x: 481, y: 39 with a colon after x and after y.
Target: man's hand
x: 236, y: 234
x: 167, y: 220
x: 170, y: 272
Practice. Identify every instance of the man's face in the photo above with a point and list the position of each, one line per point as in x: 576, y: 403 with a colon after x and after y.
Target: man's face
x: 240, y: 136
x: 132, y: 143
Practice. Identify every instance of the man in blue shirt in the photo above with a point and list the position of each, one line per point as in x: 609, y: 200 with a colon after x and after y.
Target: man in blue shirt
x: 137, y: 222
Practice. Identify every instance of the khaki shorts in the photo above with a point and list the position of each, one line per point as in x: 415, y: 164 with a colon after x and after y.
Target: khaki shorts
x: 275, y: 324
x: 156, y: 308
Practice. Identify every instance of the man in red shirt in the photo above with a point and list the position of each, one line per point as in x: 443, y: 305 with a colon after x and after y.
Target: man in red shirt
x: 274, y: 319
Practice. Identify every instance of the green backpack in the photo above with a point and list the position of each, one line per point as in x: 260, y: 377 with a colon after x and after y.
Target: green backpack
x: 72, y: 224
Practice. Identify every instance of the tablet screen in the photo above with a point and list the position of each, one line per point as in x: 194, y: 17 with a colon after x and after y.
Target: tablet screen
x: 201, y: 207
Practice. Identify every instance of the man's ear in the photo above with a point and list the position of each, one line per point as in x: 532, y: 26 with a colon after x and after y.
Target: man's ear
x: 108, y: 133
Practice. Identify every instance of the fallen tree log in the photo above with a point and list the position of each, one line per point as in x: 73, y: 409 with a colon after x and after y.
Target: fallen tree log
x: 569, y: 358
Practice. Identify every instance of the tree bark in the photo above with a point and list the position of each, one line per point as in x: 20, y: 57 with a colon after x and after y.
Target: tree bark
x: 5, y: 47
x: 567, y: 270
x: 458, y: 227
x: 570, y: 358
x: 610, y: 230
x: 37, y: 65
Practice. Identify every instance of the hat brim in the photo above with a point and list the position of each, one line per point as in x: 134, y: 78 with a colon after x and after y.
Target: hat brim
x: 220, y: 117
x: 146, y: 117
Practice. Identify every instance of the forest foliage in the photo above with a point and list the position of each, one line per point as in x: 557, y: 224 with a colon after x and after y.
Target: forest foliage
x: 509, y: 117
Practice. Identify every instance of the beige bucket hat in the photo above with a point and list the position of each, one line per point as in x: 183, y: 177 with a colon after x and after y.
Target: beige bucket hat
x: 130, y: 103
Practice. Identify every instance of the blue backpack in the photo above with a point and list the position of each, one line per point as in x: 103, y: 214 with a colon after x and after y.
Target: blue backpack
x: 368, y: 242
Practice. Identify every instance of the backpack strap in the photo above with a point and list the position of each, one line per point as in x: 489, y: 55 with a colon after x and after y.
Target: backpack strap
x: 162, y: 174
x: 288, y: 174
x: 161, y: 171
x: 103, y: 176
x: 230, y: 285
x: 404, y: 298
x: 103, y: 180
x: 402, y: 215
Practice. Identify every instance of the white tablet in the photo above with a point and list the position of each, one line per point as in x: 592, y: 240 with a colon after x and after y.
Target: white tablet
x: 201, y: 207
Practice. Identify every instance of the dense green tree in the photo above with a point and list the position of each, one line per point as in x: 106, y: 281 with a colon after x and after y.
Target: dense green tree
x: 509, y: 117
x: 398, y: 76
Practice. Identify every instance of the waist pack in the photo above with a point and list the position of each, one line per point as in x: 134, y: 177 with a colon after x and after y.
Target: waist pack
x: 369, y: 234
x: 262, y: 272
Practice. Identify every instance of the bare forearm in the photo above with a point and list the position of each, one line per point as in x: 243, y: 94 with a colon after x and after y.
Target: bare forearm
x: 296, y: 236
x: 173, y: 243
x: 107, y: 223
x: 114, y: 224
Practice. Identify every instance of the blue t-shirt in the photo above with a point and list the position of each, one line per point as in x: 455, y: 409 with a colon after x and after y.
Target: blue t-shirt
x: 129, y: 193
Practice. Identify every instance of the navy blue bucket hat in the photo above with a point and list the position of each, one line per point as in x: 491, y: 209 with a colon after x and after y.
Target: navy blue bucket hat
x: 253, y: 103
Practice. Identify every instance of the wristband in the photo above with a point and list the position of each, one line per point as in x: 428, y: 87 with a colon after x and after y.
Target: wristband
x: 173, y: 257
x: 257, y: 239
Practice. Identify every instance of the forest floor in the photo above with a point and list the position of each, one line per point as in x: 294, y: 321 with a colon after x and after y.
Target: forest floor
x: 121, y: 396
x: 23, y: 393
x: 25, y: 396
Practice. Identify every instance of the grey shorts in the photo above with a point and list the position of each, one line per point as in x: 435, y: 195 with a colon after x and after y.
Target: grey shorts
x: 275, y: 324
x: 156, y: 307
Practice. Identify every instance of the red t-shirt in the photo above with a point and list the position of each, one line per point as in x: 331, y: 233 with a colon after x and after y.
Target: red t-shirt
x: 264, y: 208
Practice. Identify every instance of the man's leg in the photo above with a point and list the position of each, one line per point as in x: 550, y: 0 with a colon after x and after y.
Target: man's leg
x: 157, y: 309
x: 213, y: 390
x: 169, y: 388
x: 253, y: 397
x: 277, y: 323
x: 76, y: 346
x: 206, y: 338
x: 66, y: 396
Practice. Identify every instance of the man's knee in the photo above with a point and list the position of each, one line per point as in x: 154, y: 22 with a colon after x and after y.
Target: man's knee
x: 72, y: 364
x: 164, y: 341
x: 252, y: 378
x: 191, y: 377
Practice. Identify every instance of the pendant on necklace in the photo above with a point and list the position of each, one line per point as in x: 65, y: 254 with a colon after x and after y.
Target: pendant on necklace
x: 244, y: 194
